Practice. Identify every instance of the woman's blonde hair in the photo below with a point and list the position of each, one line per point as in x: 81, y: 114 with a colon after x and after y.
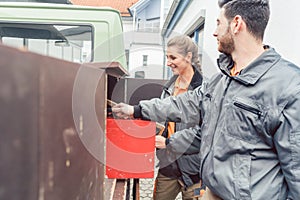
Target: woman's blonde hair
x: 185, y: 44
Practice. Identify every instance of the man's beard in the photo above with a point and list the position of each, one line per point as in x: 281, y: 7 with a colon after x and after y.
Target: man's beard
x: 226, y: 44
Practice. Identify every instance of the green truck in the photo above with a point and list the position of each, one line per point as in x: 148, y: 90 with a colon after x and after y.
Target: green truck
x: 74, y: 33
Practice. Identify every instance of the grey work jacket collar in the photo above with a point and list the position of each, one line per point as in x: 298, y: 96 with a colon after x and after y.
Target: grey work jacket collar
x: 252, y: 73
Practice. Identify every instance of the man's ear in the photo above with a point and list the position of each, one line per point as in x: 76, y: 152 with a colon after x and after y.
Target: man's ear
x: 237, y: 24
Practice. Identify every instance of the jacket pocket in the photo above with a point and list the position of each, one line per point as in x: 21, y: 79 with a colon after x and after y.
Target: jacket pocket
x: 295, y: 146
x: 248, y: 108
x: 244, y: 119
x: 242, y: 176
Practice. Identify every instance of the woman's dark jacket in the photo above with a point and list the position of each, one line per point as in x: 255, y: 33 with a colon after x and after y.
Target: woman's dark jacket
x: 174, y: 165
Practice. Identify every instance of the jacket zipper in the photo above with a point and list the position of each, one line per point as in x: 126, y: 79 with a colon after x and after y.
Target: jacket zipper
x: 209, y: 96
x: 248, y: 108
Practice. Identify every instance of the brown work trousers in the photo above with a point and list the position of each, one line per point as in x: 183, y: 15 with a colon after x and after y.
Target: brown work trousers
x: 167, y: 189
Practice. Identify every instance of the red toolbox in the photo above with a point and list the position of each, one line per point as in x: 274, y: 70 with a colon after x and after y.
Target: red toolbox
x: 130, y: 148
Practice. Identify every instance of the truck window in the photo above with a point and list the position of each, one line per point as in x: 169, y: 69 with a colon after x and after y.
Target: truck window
x: 67, y: 42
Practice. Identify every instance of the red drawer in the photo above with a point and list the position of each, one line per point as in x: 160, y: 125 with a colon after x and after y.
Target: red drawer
x: 130, y: 148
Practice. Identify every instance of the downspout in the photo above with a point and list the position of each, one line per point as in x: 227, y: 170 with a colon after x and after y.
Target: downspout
x: 164, y: 57
x: 162, y: 6
x: 134, y: 20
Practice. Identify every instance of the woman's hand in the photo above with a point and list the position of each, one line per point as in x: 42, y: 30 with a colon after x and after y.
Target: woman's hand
x: 160, y: 142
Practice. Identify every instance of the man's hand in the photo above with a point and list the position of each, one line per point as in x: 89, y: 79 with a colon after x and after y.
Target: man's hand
x: 160, y: 142
x: 122, y: 110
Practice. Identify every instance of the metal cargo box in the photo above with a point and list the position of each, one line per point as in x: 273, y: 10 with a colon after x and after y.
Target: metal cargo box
x: 43, y: 154
x: 53, y: 128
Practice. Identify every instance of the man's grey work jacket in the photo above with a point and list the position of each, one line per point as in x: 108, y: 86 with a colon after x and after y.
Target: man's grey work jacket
x: 178, y: 165
x: 250, y: 135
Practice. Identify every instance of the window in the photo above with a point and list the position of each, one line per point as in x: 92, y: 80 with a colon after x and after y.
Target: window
x: 67, y: 42
x: 145, y: 60
x: 139, y: 74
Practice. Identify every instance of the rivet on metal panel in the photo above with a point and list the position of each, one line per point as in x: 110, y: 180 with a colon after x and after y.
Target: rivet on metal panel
x: 80, y: 125
x: 41, y: 193
x: 68, y: 150
x: 68, y: 163
x: 51, y: 174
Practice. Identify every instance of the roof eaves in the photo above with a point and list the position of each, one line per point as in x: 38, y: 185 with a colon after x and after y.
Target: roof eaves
x: 141, y: 4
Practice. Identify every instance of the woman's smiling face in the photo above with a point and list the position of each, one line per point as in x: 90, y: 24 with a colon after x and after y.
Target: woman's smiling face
x: 176, y: 61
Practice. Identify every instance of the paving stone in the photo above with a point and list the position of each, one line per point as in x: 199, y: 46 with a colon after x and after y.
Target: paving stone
x: 146, y: 187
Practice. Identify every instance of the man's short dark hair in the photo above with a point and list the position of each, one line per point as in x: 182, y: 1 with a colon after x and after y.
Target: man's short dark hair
x: 255, y: 13
x: 222, y: 2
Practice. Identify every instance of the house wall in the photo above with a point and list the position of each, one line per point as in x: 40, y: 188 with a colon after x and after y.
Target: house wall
x: 154, y: 58
x: 153, y: 10
x: 146, y: 40
x: 148, y: 18
x: 283, y: 30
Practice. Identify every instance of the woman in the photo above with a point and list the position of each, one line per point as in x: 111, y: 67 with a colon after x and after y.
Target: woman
x: 179, y: 173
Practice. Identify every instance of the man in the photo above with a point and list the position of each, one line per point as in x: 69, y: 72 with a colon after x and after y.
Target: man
x: 250, y: 135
